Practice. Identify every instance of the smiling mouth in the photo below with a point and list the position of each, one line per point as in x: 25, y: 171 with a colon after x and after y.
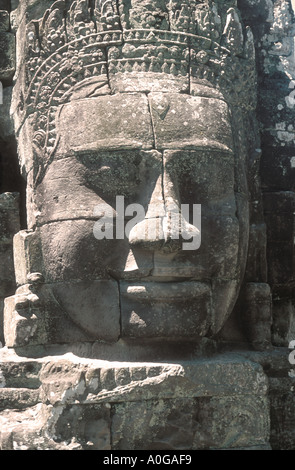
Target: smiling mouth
x: 161, y: 291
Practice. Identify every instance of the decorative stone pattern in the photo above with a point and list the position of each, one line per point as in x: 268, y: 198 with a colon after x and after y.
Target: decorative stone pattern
x: 87, y: 404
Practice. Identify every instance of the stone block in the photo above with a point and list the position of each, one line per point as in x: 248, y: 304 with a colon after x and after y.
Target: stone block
x: 257, y: 314
x: 149, y: 82
x: 279, y: 209
x: 6, y: 122
x: 21, y: 324
x: 281, y: 262
x: 90, y: 426
x: 279, y: 212
x: 280, y: 227
x: 62, y: 313
x: 7, y: 56
x: 277, y: 172
x: 18, y: 398
x: 209, y: 403
x: 93, y: 306
x: 9, y: 217
x: 4, y: 21
x: 96, y: 381
x: 5, y: 4
x: 23, y: 374
x: 182, y: 129
x: 282, y: 404
x: 279, y: 202
x: 7, y: 279
x: 283, y: 328
x: 1, y: 323
x: 198, y: 424
x: 27, y: 255
x: 256, y: 269
x: 117, y: 122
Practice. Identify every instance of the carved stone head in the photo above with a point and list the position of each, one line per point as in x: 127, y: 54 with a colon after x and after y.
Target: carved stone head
x: 133, y: 108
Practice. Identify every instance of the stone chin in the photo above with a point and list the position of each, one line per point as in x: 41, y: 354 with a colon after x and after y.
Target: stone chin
x: 187, y: 309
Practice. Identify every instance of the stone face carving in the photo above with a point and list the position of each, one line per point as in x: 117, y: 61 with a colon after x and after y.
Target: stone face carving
x: 153, y: 102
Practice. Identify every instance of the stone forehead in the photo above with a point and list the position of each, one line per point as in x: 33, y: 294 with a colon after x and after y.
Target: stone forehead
x: 80, y: 52
x: 136, y: 121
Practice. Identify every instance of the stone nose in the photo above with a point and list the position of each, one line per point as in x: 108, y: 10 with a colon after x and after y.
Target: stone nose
x: 164, y: 227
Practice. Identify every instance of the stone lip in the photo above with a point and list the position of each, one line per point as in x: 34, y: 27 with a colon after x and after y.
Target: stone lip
x: 161, y: 291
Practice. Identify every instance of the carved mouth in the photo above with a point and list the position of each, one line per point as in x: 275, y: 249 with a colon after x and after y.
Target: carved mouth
x: 168, y: 292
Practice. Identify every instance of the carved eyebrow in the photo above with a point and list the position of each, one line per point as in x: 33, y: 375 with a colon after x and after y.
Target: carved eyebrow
x: 200, y: 145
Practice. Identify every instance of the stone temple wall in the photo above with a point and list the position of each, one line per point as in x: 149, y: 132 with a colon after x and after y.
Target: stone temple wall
x: 272, y: 24
x: 243, y: 396
x: 9, y: 173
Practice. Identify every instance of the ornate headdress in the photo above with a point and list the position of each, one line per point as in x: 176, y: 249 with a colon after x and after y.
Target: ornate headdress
x: 102, y: 46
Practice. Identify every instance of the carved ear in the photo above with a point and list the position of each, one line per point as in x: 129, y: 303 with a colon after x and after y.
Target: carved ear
x: 42, y: 160
x: 233, y: 37
x: 249, y: 49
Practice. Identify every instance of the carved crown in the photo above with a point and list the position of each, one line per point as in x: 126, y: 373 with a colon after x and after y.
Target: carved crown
x: 92, y: 45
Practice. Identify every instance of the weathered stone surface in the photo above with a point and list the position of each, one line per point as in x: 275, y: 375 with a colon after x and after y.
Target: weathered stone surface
x: 5, y: 5
x: 173, y: 314
x: 35, y: 316
x: 19, y: 373
x: 272, y: 24
x: 91, y: 404
x: 7, y: 281
x: 154, y: 102
x: 6, y: 122
x: 97, y: 304
x: 283, y: 317
x: 177, y: 122
x: 282, y: 405
x: 4, y: 21
x: 9, y: 213
x: 7, y: 54
x: 257, y: 314
x: 114, y: 123
x: 18, y: 398
x: 27, y: 255
x: 204, y: 423
x: 279, y: 214
x: 277, y: 170
x: 117, y: 122
x: 9, y: 225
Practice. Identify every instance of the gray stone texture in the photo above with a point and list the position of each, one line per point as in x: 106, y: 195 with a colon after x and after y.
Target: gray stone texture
x: 10, y: 225
x: 116, y: 344
x: 88, y: 404
x: 4, y: 21
x: 6, y: 121
x: 273, y: 31
x: 152, y: 111
x: 7, y: 58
